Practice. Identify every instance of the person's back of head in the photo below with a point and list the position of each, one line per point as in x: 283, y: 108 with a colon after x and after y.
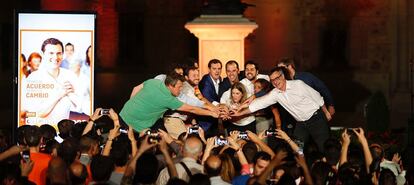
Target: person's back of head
x: 78, y: 173
x: 32, y: 136
x: 286, y: 179
x: 249, y: 150
x: 78, y: 128
x: 199, y: 179
x: 332, y: 150
x: 65, y: 128
x: 212, y: 166
x: 227, y: 167
x: 176, y: 181
x: 377, y: 151
x: 147, y: 172
x: 387, y: 177
x: 287, y: 62
x: 101, y: 168
x: 48, y: 132
x: 347, y: 175
x: 86, y: 144
x: 322, y: 173
x: 20, y: 134
x: 57, y: 172
x: 69, y: 150
x: 119, y: 154
x: 193, y: 147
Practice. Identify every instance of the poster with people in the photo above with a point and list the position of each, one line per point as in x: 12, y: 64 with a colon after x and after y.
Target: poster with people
x: 55, y: 62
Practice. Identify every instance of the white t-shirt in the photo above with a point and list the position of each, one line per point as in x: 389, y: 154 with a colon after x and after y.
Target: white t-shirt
x: 40, y: 90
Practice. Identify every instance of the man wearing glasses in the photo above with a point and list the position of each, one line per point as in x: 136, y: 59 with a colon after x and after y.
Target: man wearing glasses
x: 304, y: 103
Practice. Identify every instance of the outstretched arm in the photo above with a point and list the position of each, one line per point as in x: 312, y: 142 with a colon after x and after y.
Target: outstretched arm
x: 346, y: 139
x: 367, y: 153
x: 96, y: 115
x: 198, y: 111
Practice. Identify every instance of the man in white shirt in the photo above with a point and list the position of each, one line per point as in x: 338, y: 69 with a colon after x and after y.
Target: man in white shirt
x: 251, y: 70
x: 49, y: 93
x: 304, y: 103
x: 192, y: 150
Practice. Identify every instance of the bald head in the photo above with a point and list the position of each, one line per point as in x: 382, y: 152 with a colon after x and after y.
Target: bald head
x: 78, y: 172
x: 212, y: 166
x: 193, y: 147
x: 76, y: 168
x: 57, y: 171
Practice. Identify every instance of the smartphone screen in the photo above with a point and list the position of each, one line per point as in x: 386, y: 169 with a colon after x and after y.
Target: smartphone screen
x: 26, y: 156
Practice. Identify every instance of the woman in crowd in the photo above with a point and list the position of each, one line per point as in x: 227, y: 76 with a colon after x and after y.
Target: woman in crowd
x: 237, y: 96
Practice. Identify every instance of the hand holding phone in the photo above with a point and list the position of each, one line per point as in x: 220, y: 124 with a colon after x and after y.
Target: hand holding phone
x: 104, y: 112
x: 26, y: 156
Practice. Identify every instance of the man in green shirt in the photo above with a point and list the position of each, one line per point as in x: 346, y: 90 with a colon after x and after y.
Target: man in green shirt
x: 152, y: 98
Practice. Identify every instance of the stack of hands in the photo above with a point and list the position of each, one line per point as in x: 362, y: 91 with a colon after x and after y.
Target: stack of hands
x: 227, y: 113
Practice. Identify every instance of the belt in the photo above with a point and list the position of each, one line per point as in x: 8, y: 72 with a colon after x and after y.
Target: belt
x: 316, y: 115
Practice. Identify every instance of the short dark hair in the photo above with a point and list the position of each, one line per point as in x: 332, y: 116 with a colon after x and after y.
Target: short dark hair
x: 65, y: 128
x: 230, y: 62
x: 214, y: 61
x: 332, y: 150
x: 251, y: 62
x: 101, y: 168
x: 32, y: 136
x: 173, y: 78
x: 86, y: 143
x: 387, y: 177
x: 266, y: 86
x: 51, y: 41
x: 287, y: 61
x: 149, y: 172
x: 48, y: 132
x: 69, y: 44
x: 68, y: 150
x: 261, y: 155
x: 282, y: 70
x: 188, y: 69
x: 20, y: 134
x: 119, y: 154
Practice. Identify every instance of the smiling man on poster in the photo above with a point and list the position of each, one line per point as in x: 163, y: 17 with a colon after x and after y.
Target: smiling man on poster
x: 49, y: 93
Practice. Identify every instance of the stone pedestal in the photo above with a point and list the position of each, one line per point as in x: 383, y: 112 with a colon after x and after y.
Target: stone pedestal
x: 220, y: 37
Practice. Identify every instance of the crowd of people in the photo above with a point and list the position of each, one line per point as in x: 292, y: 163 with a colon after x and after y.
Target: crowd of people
x: 248, y: 128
